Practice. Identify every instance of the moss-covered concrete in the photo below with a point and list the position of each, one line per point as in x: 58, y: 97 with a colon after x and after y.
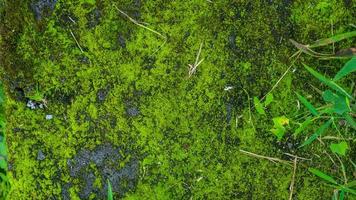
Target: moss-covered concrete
x: 125, y: 109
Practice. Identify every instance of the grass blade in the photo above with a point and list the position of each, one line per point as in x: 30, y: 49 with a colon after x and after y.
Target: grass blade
x: 348, y: 68
x: 351, y: 184
x: 317, y: 133
x: 302, y: 126
x: 307, y: 104
x: 350, y: 120
x: 322, y: 175
x: 327, y: 82
x: 336, y: 38
x: 110, y: 195
x: 342, y: 195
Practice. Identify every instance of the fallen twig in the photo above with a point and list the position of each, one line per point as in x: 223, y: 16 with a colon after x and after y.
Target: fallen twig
x: 291, y: 187
x: 266, y: 157
x: 294, y: 156
x: 139, y: 24
x: 193, y: 68
x: 76, y: 41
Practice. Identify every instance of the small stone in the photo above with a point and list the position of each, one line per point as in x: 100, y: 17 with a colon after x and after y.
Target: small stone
x: 40, y: 155
x: 49, y: 117
x: 133, y: 111
x: 102, y: 93
x: 30, y: 104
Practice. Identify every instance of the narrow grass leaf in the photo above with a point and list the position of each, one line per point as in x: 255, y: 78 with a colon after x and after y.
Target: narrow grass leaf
x: 259, y: 106
x: 350, y: 120
x: 327, y: 82
x: 307, y: 104
x: 342, y: 195
x: 336, y: 38
x: 351, y: 184
x: 318, y: 132
x: 348, y: 68
x: 346, y: 189
x: 302, y: 126
x: 322, y: 175
x: 110, y: 195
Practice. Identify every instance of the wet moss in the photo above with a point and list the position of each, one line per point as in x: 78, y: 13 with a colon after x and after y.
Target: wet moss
x: 107, y: 80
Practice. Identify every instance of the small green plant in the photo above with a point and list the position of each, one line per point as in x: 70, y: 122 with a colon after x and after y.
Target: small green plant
x: 259, y: 106
x: 338, y: 103
x: 4, y: 181
x: 37, y: 95
x: 341, y: 189
x: 110, y: 194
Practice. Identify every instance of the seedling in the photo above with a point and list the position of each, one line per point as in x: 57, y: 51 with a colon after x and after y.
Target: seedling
x: 259, y: 106
x: 338, y: 103
x: 38, y: 96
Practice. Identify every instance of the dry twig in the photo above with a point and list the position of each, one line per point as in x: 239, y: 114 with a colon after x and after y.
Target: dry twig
x: 291, y: 187
x: 193, y: 68
x: 266, y: 157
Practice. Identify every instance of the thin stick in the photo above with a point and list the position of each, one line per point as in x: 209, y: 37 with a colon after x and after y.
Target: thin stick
x: 291, y: 187
x: 294, y: 156
x: 266, y: 157
x: 342, y: 169
x: 139, y: 24
x: 332, y: 34
x: 249, y: 108
x: 193, y: 68
x: 76, y: 41
x: 332, y: 160
x: 284, y: 74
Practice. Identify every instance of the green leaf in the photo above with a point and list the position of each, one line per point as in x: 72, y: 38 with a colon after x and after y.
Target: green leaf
x: 348, y: 68
x: 317, y: 133
x: 278, y: 128
x: 269, y: 99
x: 307, y: 104
x: 340, y: 103
x: 327, y: 82
x: 339, y: 148
x: 110, y: 195
x: 322, y: 175
x: 333, y: 39
x: 302, y: 126
x: 3, y: 163
x: 259, y: 106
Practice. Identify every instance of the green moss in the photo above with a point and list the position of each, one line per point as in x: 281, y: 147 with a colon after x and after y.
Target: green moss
x: 107, y: 80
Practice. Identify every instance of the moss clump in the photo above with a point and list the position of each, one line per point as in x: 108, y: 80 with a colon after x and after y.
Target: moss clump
x: 109, y: 81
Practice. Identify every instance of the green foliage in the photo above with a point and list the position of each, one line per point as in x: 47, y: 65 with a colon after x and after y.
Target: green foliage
x: 339, y: 100
x: 317, y: 133
x: 259, y: 106
x: 348, y: 188
x: 4, y: 181
x: 306, y: 103
x: 339, y: 148
x: 183, y: 145
x: 279, y: 126
x: 348, y: 68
